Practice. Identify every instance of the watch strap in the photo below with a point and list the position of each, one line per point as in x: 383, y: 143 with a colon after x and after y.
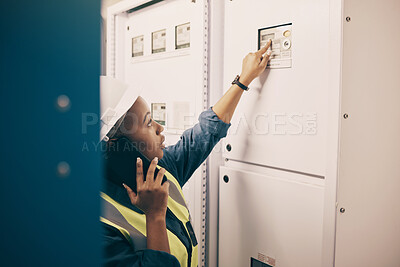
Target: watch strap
x: 241, y: 85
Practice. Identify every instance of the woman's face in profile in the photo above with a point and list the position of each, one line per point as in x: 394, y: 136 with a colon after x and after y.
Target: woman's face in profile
x: 145, y: 133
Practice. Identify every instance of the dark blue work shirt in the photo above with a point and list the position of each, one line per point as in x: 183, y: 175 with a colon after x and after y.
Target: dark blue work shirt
x: 181, y: 160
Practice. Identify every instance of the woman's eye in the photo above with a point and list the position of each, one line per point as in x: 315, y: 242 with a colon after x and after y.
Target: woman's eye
x: 149, y: 124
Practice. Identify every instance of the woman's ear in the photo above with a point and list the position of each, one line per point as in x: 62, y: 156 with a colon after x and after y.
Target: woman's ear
x: 131, y: 123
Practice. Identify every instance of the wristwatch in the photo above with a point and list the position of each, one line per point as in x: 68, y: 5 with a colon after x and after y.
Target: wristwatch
x: 241, y: 85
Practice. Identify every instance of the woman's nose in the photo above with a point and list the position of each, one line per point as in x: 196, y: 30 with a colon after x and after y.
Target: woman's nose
x: 160, y: 128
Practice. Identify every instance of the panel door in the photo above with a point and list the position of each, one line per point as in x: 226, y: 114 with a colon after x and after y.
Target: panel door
x: 281, y: 122
x: 277, y: 220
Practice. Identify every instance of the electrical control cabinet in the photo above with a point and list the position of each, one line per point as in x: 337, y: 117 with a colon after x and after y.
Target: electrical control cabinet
x: 306, y: 165
x: 309, y: 176
x: 277, y: 146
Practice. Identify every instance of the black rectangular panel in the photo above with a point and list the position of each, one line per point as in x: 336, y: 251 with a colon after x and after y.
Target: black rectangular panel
x: 257, y: 263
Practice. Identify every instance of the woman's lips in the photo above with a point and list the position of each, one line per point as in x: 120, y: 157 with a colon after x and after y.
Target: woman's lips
x: 162, y: 143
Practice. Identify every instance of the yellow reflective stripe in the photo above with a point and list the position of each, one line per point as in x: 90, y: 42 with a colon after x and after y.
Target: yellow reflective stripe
x: 182, y: 214
x: 138, y: 221
x: 195, y: 257
x: 172, y: 179
x: 177, y: 248
x: 135, y: 219
x: 122, y: 230
x: 180, y: 211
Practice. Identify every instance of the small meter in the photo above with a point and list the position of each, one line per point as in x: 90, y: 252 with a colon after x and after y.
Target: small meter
x: 182, y: 36
x: 137, y: 46
x: 158, y: 112
x: 281, y: 46
x: 158, y: 41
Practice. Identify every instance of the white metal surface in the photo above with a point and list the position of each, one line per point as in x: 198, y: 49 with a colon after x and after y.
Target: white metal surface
x: 174, y: 77
x: 216, y: 37
x: 278, y: 217
x: 368, y: 232
x: 313, y: 84
x: 332, y: 144
x: 284, y: 115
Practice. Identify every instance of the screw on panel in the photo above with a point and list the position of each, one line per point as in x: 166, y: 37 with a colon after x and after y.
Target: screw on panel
x: 345, y: 115
x: 228, y: 147
x: 127, y: 28
x: 348, y: 19
x: 342, y: 210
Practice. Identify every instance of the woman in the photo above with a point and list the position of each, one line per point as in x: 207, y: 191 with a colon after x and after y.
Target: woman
x: 152, y: 226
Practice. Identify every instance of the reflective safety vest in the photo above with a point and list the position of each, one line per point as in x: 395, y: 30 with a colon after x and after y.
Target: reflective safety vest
x: 133, y: 224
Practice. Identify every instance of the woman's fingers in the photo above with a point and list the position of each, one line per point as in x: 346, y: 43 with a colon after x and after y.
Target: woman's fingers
x: 150, y: 171
x: 139, y: 173
x: 160, y: 176
x: 151, y: 196
x: 265, y: 59
x: 264, y: 49
x: 131, y: 194
x: 165, y: 186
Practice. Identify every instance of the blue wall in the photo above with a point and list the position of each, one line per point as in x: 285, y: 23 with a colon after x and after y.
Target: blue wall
x: 49, y: 48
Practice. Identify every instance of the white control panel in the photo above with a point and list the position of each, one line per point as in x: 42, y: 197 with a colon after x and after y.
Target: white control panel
x: 281, y: 47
